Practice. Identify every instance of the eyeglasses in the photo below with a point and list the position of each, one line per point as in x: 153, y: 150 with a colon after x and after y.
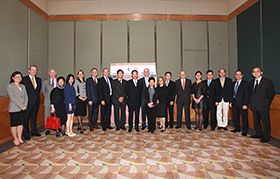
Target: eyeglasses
x: 256, y: 71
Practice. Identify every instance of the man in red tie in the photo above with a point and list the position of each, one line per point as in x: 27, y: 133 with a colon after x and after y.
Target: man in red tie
x: 183, y: 91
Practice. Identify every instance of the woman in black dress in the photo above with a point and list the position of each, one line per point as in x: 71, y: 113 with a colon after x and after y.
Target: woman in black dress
x: 162, y: 102
x: 81, y: 111
x: 150, y: 95
x: 57, y: 104
x: 198, y: 91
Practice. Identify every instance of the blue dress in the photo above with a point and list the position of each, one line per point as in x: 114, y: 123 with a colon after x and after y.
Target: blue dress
x: 70, y: 98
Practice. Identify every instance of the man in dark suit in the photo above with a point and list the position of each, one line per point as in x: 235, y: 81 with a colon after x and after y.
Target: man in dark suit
x: 145, y: 81
x: 240, y: 103
x: 105, y: 92
x: 133, y: 92
x: 210, y: 99
x: 93, y: 101
x: 171, y: 88
x: 262, y: 94
x: 183, y: 91
x: 33, y: 88
x: 224, y: 91
x: 119, y: 100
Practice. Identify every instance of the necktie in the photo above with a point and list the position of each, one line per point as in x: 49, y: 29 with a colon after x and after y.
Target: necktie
x: 33, y: 82
x: 256, y: 85
x: 52, y: 83
x: 135, y: 83
x: 108, y: 84
x: 184, y: 85
x: 235, y: 89
x: 167, y: 82
x: 208, y: 83
x: 222, y: 83
x: 95, y: 81
x: 120, y: 81
x: 147, y: 82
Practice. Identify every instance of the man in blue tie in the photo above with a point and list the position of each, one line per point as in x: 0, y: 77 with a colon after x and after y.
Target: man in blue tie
x: 210, y: 98
x: 240, y: 103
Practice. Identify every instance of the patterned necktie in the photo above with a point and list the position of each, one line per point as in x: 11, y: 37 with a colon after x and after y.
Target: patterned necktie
x: 33, y: 83
x: 235, y: 89
x: 52, y: 83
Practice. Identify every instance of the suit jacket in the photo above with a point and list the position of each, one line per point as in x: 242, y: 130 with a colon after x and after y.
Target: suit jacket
x: 224, y: 92
x: 263, y: 96
x: 92, y: 90
x: 118, y: 91
x: 243, y: 93
x: 47, y: 88
x: 147, y: 96
x: 133, y: 93
x: 183, y: 95
x: 211, y: 95
x: 18, y: 99
x: 171, y: 91
x: 33, y: 94
x: 144, y: 87
x: 104, y: 90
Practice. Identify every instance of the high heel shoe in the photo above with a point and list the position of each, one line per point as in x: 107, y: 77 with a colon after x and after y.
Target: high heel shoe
x: 200, y: 129
x: 163, y: 129
x: 160, y: 127
x: 196, y: 127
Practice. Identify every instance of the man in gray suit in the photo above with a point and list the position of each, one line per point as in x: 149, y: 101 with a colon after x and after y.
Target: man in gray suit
x: 47, y: 87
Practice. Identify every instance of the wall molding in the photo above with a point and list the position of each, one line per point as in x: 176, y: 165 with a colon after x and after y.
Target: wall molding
x: 139, y: 16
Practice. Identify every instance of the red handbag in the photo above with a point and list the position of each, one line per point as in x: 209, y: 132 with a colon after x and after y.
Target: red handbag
x: 52, y: 122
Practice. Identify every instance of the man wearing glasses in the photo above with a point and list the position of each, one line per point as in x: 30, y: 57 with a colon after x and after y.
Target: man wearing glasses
x: 262, y: 94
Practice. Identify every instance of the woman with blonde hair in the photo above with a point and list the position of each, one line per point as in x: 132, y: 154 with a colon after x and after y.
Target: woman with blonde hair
x: 162, y: 102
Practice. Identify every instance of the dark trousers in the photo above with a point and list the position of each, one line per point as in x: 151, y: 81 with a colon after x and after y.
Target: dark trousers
x: 212, y: 108
x: 31, y: 113
x: 93, y: 114
x: 170, y: 109
x: 133, y: 108
x: 151, y: 113
x: 236, y: 111
x: 187, y: 114
x: 117, y: 107
x: 143, y: 113
x: 264, y: 115
x: 106, y: 114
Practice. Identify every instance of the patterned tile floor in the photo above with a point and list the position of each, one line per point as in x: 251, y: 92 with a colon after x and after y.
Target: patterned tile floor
x: 118, y: 154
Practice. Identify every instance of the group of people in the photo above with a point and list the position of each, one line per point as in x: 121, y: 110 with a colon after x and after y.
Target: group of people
x: 74, y: 96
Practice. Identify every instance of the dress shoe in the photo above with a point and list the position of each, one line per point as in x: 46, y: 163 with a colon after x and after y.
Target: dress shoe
x: 244, y: 134
x: 123, y: 128
x: 225, y: 128
x: 220, y: 128
x: 205, y: 127
x: 171, y: 127
x: 189, y: 128
x: 104, y: 129
x: 196, y: 127
x: 152, y: 131
x: 149, y: 130
x: 48, y: 132
x: 256, y: 136
x: 200, y: 129
x: 142, y: 128
x: 57, y: 134
x: 36, y: 134
x: 109, y: 127
x: 264, y: 140
x: 212, y: 129
x: 26, y: 137
x: 91, y: 129
x: 96, y: 127
x: 137, y: 129
x: 235, y: 130
x: 117, y: 129
x: 129, y: 130
x: 177, y: 127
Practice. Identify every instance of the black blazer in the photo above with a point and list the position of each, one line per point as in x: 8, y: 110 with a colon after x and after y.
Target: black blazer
x: 171, y: 90
x: 133, y: 93
x: 33, y: 95
x: 263, y: 96
x: 104, y: 90
x: 226, y: 91
x: 92, y: 90
x: 183, y: 96
x: 243, y: 93
x: 118, y: 91
x: 144, y: 87
x: 211, y: 95
x: 147, y: 96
